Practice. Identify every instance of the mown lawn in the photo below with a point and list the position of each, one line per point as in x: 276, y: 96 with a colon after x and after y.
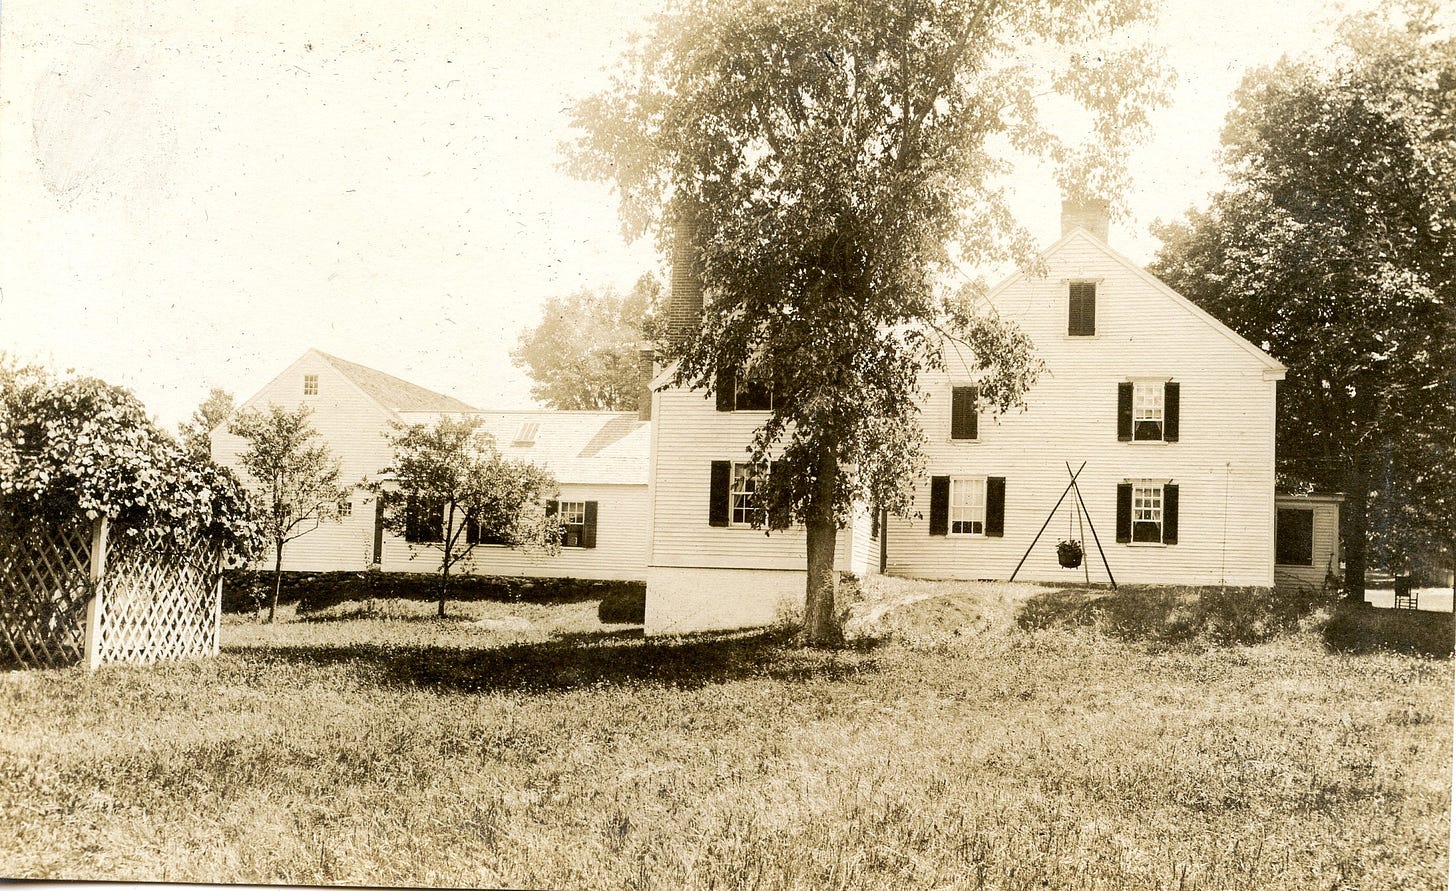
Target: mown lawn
x: 527, y: 745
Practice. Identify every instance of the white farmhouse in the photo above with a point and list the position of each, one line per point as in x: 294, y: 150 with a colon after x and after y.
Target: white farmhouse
x: 1168, y: 414
x: 599, y: 460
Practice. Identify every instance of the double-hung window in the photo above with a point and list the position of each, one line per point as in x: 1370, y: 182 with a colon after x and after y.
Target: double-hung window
x: 310, y: 385
x: 1147, y: 512
x: 743, y: 496
x: 1147, y: 410
x: 578, y: 520
x: 968, y: 506
x: 734, y: 494
x: 741, y: 392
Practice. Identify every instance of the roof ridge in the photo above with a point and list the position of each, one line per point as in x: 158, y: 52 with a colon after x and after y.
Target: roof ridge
x: 394, y: 393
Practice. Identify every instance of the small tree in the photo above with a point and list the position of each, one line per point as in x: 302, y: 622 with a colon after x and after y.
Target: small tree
x: 450, y: 476
x: 196, y: 433
x: 295, y: 479
x: 583, y: 354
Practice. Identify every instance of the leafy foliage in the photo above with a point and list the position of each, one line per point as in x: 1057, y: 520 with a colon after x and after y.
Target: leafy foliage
x: 196, y: 433
x: 81, y: 447
x: 825, y: 154
x: 1335, y: 244
x: 584, y: 353
x: 454, y: 467
x: 294, y: 478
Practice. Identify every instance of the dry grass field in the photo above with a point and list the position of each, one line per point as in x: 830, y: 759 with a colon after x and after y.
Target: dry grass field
x: 528, y: 745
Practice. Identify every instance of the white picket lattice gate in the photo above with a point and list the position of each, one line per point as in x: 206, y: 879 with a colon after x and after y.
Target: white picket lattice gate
x: 83, y: 592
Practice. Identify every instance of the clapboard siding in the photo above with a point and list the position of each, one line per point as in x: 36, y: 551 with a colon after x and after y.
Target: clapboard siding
x: 354, y: 426
x: 621, y: 551
x: 1223, y: 461
x: 357, y: 428
x: 688, y: 435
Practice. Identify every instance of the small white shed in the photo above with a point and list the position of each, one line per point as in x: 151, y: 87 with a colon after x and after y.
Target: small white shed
x: 1306, y: 539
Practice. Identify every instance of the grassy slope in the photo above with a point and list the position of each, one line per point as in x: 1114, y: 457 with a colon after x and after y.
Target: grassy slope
x: 408, y: 751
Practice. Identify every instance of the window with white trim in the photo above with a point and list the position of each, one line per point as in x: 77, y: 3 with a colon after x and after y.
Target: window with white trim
x: 743, y: 496
x: 310, y: 385
x: 1147, y: 513
x: 968, y: 506
x: 346, y: 508
x: 1147, y: 410
x: 573, y: 523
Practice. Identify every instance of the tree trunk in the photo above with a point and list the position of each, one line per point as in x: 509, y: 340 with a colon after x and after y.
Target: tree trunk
x: 821, y: 621
x: 277, y: 579
x: 1355, y: 520
x: 444, y: 583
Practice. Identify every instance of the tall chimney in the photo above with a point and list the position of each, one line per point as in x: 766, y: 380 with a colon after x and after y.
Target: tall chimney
x: 1091, y: 214
x: 685, y: 299
x: 646, y: 365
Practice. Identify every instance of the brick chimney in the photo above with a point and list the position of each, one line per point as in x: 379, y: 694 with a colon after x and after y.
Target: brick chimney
x: 1091, y: 214
x: 685, y: 297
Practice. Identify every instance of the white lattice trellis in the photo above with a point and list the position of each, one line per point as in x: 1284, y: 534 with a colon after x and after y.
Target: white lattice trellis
x: 79, y: 593
x: 45, y: 585
x: 159, y: 600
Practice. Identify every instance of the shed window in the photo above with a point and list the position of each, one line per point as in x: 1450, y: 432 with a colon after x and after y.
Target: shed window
x: 310, y: 385
x: 1294, y: 537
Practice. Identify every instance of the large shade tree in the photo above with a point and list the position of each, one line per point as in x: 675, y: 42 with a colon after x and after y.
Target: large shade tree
x: 826, y: 155
x: 584, y: 353
x: 1335, y: 243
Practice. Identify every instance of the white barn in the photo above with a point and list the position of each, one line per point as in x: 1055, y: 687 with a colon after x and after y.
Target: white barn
x: 1171, y: 411
x: 599, y: 460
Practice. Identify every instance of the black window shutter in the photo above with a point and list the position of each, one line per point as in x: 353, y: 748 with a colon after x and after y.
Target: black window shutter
x: 726, y: 389
x: 1170, y: 514
x: 1082, y: 309
x: 995, y: 506
x: 939, y: 504
x: 1124, y: 411
x: 1170, y: 411
x: 1124, y: 512
x: 963, y: 412
x: 589, y: 526
x: 722, y: 474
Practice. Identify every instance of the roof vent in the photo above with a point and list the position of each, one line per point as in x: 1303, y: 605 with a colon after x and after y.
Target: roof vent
x: 526, y: 436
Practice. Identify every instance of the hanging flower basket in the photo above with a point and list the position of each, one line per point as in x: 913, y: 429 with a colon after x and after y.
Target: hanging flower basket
x: 1069, y: 553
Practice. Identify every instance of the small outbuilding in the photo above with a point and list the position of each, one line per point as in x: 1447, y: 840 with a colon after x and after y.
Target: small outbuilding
x: 1306, y: 539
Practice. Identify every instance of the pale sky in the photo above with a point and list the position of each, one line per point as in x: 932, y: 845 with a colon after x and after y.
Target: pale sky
x: 193, y: 192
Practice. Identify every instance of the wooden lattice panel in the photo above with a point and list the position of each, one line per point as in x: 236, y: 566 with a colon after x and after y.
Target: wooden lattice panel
x: 45, y: 586
x: 159, y: 600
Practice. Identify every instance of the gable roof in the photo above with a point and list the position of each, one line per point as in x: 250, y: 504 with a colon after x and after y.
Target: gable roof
x: 392, y: 392
x: 603, y: 447
x: 1272, y: 366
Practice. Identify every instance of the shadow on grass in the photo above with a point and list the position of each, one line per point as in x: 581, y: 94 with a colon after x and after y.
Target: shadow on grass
x: 1360, y: 629
x: 1173, y: 615
x: 580, y: 660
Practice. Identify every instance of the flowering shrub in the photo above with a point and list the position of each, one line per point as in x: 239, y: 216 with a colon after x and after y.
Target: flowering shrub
x: 82, y: 447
